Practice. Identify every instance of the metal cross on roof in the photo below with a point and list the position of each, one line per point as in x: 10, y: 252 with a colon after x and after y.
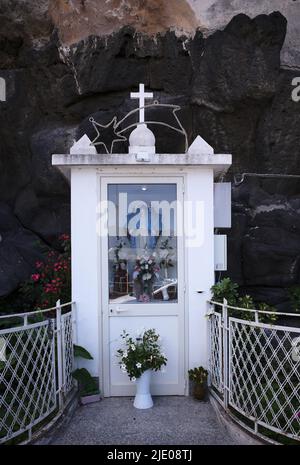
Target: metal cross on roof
x: 142, y: 96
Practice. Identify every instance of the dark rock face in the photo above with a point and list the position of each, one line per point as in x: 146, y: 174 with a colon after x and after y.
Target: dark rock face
x: 232, y: 92
x: 240, y: 63
x: 264, y: 241
x: 19, y: 249
x: 278, y: 131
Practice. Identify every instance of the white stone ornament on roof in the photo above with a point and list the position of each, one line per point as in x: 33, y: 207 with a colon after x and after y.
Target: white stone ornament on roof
x: 142, y: 140
x: 200, y: 147
x: 83, y: 147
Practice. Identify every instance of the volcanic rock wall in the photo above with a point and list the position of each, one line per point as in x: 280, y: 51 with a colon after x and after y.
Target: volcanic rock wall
x: 65, y: 61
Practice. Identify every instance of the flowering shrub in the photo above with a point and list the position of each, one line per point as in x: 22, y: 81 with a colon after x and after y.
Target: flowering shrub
x: 141, y: 353
x: 52, y: 278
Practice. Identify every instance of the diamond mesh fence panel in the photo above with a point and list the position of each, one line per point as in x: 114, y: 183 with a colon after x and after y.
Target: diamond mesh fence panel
x: 27, y: 378
x: 67, y: 352
x: 264, y: 375
x: 216, y: 364
x: 33, y: 377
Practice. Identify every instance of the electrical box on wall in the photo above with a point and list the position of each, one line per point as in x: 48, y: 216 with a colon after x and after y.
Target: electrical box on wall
x: 222, y: 205
x: 220, y: 246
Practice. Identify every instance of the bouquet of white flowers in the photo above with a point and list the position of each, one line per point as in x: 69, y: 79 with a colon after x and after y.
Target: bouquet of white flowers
x: 140, y: 354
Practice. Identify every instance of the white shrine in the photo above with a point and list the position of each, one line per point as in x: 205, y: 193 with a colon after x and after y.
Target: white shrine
x: 142, y: 205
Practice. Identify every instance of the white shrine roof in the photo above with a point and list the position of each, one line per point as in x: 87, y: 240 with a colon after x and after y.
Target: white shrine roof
x: 219, y: 162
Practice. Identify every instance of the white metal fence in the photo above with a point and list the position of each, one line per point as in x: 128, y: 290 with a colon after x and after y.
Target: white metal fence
x: 36, y: 364
x: 255, y: 370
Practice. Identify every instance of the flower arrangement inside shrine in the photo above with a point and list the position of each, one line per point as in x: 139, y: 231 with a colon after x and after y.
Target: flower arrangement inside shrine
x: 144, y: 275
x: 141, y: 275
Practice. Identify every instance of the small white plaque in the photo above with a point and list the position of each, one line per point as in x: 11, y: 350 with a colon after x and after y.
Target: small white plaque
x: 220, y: 242
x: 222, y: 205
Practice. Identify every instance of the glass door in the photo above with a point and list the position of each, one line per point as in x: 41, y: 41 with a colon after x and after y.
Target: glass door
x: 142, y: 243
x: 142, y: 271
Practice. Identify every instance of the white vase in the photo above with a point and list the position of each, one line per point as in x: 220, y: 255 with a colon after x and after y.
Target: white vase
x: 143, y: 397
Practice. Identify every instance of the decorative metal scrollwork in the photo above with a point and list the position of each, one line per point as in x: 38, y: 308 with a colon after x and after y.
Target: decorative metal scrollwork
x: 118, y: 132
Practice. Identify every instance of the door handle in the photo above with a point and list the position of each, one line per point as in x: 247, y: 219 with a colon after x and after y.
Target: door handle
x: 118, y: 310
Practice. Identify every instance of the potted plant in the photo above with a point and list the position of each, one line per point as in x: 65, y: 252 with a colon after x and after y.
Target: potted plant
x: 138, y: 357
x: 199, y: 378
x: 88, y: 386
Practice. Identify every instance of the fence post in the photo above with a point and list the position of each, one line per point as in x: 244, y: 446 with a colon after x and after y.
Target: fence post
x: 208, y: 345
x: 74, y: 323
x: 59, y: 355
x: 225, y: 351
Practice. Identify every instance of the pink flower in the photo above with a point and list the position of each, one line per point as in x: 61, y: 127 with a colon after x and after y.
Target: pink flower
x: 35, y: 277
x: 144, y: 298
x: 64, y: 237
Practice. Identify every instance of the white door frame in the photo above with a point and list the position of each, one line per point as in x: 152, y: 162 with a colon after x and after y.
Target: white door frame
x: 106, y: 179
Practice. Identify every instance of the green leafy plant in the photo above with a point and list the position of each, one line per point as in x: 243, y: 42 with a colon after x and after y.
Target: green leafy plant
x: 225, y: 289
x: 245, y: 302
x: 294, y: 294
x: 140, y: 353
x: 81, y: 352
x: 52, y: 278
x: 198, y: 375
x: 267, y: 318
x: 87, y: 384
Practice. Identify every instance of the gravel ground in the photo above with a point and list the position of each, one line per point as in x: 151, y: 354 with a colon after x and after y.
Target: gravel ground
x: 172, y: 420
